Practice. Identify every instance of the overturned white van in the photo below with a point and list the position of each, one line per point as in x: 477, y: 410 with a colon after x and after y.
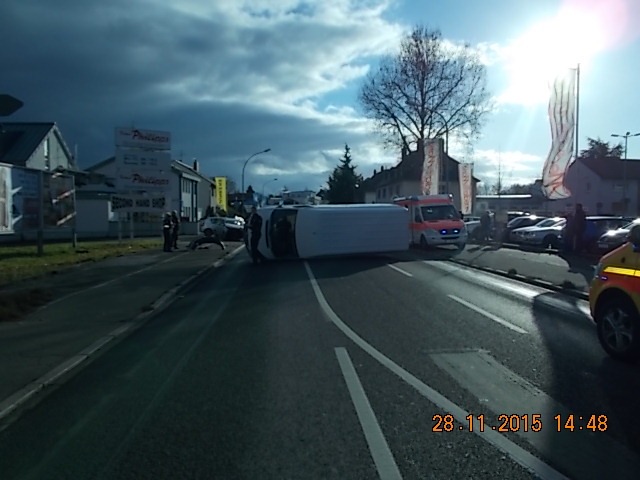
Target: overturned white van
x: 313, y: 231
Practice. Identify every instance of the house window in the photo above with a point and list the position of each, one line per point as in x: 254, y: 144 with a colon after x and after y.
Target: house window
x: 45, y: 147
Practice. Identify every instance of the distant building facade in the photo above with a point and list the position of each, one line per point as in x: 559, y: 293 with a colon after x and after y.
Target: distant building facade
x: 404, y: 179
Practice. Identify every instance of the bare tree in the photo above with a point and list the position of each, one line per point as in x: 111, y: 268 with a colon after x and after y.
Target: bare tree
x: 429, y: 89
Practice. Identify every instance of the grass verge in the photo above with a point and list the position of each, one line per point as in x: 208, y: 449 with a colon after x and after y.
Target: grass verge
x: 22, y: 262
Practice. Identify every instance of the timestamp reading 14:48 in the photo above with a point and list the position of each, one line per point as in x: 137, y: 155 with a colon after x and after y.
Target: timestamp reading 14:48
x: 520, y: 423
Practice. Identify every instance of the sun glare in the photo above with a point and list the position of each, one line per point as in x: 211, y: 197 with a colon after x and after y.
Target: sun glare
x: 547, y: 50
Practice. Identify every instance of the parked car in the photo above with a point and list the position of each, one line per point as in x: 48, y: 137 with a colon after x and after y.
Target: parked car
x: 472, y: 224
x: 214, y: 225
x: 517, y: 235
x: 597, y: 226
x: 520, y: 222
x: 612, y: 239
x: 545, y: 234
x: 235, y: 228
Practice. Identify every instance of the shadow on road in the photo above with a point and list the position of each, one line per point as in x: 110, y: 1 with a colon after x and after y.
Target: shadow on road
x: 586, y: 381
x: 582, y: 265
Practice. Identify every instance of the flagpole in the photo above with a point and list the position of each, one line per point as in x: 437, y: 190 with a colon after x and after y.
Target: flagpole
x: 577, y: 111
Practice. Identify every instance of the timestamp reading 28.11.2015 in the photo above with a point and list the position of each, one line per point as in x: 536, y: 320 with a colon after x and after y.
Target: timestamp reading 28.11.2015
x: 519, y: 423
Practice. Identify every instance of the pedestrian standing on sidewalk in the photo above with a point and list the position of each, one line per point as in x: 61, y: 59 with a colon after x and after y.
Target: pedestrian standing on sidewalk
x: 176, y: 229
x: 167, y: 231
x: 579, y: 227
x: 485, y: 225
x: 569, y: 233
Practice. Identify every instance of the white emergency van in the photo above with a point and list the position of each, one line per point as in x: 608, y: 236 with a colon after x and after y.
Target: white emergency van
x: 312, y: 231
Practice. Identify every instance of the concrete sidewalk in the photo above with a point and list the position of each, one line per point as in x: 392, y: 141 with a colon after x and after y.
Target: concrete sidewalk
x: 569, y: 273
x: 92, y: 304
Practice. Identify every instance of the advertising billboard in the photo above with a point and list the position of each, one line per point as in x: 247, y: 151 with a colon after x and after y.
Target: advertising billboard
x: 58, y: 200
x: 146, y: 139
x: 221, y: 192
x: 139, y: 203
x: 6, y: 200
x: 26, y: 198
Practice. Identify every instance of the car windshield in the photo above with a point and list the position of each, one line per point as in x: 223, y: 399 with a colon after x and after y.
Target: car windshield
x: 548, y: 222
x: 630, y: 225
x: 439, y: 212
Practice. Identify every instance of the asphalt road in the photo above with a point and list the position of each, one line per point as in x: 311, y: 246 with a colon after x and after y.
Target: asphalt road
x: 340, y: 369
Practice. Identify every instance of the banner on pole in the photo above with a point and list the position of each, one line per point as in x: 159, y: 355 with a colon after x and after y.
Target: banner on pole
x: 465, y: 174
x: 433, y: 154
x: 562, y: 117
x: 221, y: 192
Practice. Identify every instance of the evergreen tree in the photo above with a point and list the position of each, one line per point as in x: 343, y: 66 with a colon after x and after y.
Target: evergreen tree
x: 344, y: 182
x: 600, y: 149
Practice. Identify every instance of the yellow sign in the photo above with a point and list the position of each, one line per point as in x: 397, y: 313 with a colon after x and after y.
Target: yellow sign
x: 221, y: 192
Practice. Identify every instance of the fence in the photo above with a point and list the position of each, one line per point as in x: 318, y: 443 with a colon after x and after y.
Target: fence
x: 140, y: 230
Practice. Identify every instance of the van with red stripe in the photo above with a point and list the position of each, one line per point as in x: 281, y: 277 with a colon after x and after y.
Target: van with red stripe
x: 614, y: 299
x: 434, y: 220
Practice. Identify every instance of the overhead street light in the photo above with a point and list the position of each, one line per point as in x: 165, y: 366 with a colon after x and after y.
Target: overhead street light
x: 247, y: 161
x: 267, y: 182
x: 624, y: 166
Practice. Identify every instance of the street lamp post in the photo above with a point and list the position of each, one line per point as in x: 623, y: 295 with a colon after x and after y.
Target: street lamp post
x: 624, y: 166
x: 265, y: 184
x: 247, y: 161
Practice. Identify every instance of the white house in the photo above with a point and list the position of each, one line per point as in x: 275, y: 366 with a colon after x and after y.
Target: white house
x: 190, y: 193
x: 404, y: 179
x: 602, y: 186
x: 36, y: 145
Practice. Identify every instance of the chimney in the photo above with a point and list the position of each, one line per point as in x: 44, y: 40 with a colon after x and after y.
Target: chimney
x: 196, y: 165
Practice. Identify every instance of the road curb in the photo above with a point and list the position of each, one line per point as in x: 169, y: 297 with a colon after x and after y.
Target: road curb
x: 73, y: 364
x: 532, y: 249
x: 522, y: 278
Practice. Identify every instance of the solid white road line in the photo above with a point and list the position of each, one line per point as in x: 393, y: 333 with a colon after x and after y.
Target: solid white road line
x: 404, y: 272
x: 517, y: 453
x: 380, y: 451
x: 489, y: 315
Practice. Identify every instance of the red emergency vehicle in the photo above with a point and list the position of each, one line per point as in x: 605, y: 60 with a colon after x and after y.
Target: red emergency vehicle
x: 434, y: 220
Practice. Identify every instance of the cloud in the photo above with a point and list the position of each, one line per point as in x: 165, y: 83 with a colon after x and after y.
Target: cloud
x: 227, y: 78
x: 511, y: 166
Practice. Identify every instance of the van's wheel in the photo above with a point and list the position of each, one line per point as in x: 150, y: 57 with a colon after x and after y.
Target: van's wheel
x: 208, y: 232
x: 423, y: 243
x: 618, y: 325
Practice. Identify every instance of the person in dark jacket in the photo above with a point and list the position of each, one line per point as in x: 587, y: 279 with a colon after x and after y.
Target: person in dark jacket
x: 579, y: 227
x: 485, y: 225
x: 255, y: 232
x: 176, y: 229
x: 167, y: 231
x: 569, y: 233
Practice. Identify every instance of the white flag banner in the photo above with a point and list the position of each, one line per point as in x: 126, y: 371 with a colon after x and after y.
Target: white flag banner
x: 562, y: 116
x: 433, y: 151
x: 465, y: 174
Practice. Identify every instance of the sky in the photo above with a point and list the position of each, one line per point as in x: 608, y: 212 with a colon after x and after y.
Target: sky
x: 229, y: 78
